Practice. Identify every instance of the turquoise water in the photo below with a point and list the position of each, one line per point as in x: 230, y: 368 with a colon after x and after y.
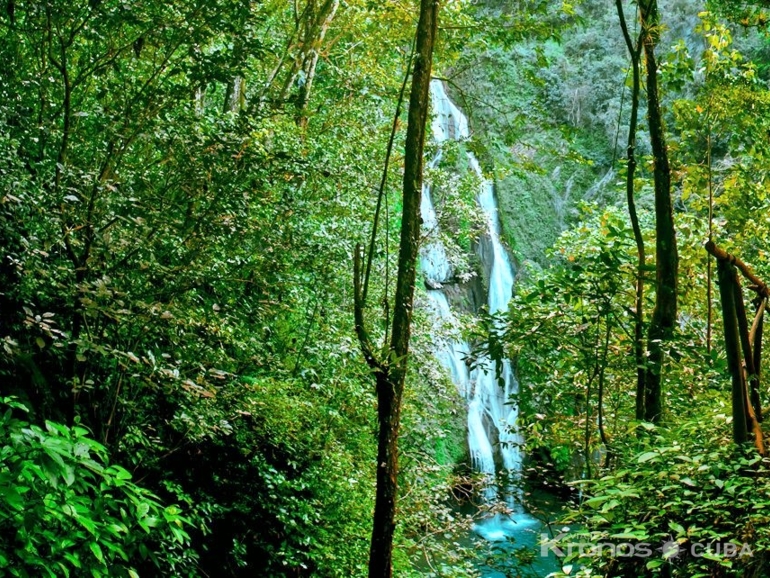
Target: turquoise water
x: 510, y: 544
x: 514, y: 547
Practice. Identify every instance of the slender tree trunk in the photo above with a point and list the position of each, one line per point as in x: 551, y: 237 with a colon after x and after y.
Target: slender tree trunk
x: 390, y: 373
x: 750, y: 371
x: 746, y: 416
x: 589, y: 423
x: 667, y: 259
x: 726, y: 273
x: 310, y: 61
x: 602, y: 433
x: 314, y: 22
x: 709, y: 271
x: 235, y: 95
x: 634, y: 50
x: 709, y: 308
x: 755, y: 340
x: 61, y: 63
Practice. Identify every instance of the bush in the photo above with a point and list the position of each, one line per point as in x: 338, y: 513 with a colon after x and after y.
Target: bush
x: 701, y: 504
x: 64, y: 510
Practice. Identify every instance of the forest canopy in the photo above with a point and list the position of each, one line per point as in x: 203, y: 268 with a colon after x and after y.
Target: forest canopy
x: 186, y: 188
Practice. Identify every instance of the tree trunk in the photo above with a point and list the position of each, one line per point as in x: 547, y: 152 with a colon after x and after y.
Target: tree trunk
x: 235, y: 95
x: 755, y: 341
x: 667, y: 259
x: 738, y: 338
x: 634, y: 50
x: 313, y: 24
x: 750, y: 371
x: 726, y: 273
x: 391, y: 372
x: 602, y: 370
x: 310, y: 60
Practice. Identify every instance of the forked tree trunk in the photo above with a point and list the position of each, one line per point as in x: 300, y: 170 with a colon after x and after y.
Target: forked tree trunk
x: 310, y: 59
x: 744, y: 368
x: 391, y: 372
x: 312, y: 25
x: 667, y: 259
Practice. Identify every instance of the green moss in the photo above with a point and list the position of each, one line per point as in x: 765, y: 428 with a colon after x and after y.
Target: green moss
x: 537, y: 199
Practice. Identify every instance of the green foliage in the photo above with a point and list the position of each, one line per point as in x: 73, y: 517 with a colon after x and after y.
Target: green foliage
x: 570, y: 322
x: 548, y: 118
x: 571, y: 325
x: 686, y: 487
x: 454, y: 189
x: 176, y: 268
x: 685, y: 482
x: 293, y: 454
x: 722, y: 144
x: 567, y: 327
x: 162, y: 243
x: 65, y: 511
x: 434, y: 532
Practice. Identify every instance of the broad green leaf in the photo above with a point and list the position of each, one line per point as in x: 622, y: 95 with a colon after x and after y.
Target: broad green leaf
x: 647, y: 456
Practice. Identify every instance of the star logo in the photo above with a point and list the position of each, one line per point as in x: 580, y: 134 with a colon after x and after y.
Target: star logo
x: 670, y: 549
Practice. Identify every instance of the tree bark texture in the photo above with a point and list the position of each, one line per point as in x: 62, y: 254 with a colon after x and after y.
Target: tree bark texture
x: 667, y: 259
x: 742, y: 345
x: 390, y: 373
x: 726, y: 275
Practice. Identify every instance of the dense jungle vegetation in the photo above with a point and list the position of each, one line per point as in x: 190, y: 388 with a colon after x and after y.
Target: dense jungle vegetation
x: 186, y: 384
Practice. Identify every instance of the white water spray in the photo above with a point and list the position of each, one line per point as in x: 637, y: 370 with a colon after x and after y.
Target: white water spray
x: 492, y: 435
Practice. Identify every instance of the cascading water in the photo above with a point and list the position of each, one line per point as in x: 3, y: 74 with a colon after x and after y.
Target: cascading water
x: 493, y: 439
x: 492, y: 435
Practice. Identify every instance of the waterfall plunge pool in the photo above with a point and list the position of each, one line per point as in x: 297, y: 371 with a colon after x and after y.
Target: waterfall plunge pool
x: 509, y: 544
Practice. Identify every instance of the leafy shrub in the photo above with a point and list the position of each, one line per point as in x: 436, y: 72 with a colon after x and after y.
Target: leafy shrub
x: 64, y: 510
x: 701, y: 504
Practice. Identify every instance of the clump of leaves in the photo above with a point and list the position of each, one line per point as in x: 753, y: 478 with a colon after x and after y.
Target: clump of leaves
x: 683, y: 502
x: 64, y: 510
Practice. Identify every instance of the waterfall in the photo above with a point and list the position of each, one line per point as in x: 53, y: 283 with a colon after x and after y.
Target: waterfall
x: 493, y: 439
x: 492, y: 435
